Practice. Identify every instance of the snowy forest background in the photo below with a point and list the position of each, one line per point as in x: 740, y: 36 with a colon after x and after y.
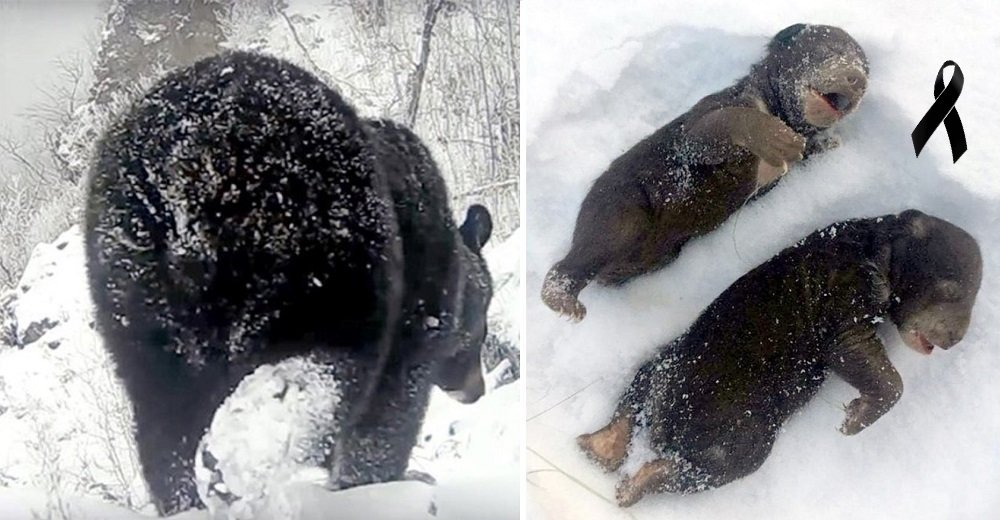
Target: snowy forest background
x: 446, y: 68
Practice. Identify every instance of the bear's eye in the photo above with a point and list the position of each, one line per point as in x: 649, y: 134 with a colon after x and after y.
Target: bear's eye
x: 948, y: 290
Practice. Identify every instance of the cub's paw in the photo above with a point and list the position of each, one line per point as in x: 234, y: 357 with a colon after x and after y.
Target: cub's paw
x: 609, y: 445
x: 627, y: 493
x: 857, y: 412
x: 563, y: 303
x: 776, y: 143
x: 596, y: 448
x: 822, y: 142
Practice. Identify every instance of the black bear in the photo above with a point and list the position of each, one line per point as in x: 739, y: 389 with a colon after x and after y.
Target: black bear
x: 241, y: 213
x: 685, y: 179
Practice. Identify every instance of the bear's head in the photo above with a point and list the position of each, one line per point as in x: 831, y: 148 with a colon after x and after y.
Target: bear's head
x: 461, y: 374
x: 935, y: 272
x: 812, y: 76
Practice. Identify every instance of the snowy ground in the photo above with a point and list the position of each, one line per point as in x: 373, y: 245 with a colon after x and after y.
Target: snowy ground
x: 596, y: 82
x: 65, y: 423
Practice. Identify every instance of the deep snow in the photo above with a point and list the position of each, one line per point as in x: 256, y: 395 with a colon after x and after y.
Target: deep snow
x: 596, y: 81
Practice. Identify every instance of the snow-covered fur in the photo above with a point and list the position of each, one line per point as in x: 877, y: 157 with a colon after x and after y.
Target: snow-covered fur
x: 240, y: 214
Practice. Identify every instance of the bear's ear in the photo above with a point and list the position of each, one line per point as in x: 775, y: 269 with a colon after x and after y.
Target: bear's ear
x: 915, y: 223
x: 477, y: 227
x: 785, y: 36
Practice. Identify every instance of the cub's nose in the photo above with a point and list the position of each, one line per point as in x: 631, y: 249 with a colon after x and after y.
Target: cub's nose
x: 856, y: 79
x: 949, y: 338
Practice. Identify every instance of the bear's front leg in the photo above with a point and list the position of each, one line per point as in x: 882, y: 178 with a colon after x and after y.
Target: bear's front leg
x: 377, y: 448
x: 862, y: 362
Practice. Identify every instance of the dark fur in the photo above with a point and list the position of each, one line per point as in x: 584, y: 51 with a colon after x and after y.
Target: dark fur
x: 715, y: 398
x: 240, y: 213
x: 688, y: 177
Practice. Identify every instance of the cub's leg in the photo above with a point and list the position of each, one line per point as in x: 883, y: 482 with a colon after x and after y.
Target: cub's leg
x: 861, y: 361
x: 657, y: 476
x: 604, y: 237
x: 608, y: 446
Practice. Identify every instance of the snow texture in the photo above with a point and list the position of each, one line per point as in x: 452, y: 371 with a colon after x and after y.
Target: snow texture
x: 264, y: 437
x: 598, y: 80
x: 387, y: 501
x: 67, y: 426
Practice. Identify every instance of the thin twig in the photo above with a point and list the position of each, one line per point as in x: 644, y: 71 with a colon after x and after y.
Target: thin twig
x: 567, y: 398
x: 8, y: 146
x: 305, y: 51
x: 574, y: 479
x: 491, y: 186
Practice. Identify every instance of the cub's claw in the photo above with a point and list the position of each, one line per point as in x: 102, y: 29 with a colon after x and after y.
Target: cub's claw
x: 857, y: 411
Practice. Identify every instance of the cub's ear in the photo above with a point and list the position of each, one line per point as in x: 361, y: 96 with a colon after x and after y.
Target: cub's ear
x: 477, y: 228
x: 915, y: 223
x: 785, y: 36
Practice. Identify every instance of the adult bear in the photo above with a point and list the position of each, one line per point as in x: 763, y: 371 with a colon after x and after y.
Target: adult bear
x: 241, y: 213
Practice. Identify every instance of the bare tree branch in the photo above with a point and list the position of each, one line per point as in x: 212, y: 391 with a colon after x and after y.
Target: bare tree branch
x: 430, y: 18
x: 486, y: 102
x: 9, y: 277
x: 13, y: 150
x: 490, y: 187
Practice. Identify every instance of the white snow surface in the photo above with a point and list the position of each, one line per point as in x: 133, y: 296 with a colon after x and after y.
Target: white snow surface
x: 598, y: 78
x: 66, y: 425
x: 387, y: 501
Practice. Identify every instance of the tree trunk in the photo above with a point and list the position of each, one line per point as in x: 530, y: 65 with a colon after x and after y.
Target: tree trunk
x: 430, y: 18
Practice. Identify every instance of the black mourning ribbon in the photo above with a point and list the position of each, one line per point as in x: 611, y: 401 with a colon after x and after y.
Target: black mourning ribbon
x: 943, y: 110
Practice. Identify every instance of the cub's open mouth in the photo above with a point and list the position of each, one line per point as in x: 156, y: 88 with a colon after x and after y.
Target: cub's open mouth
x: 918, y: 342
x: 836, y: 101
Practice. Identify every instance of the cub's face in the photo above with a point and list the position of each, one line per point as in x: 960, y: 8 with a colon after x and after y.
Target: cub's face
x: 819, y: 72
x: 936, y: 271
x: 461, y: 375
x: 832, y: 92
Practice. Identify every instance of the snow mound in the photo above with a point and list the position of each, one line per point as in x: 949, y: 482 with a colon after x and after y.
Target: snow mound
x: 65, y: 422
x: 36, y: 312
x: 935, y: 454
x: 32, y: 504
x: 474, y: 452
x: 263, y: 438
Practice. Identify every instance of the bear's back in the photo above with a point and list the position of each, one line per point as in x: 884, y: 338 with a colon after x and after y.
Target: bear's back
x: 238, y: 202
